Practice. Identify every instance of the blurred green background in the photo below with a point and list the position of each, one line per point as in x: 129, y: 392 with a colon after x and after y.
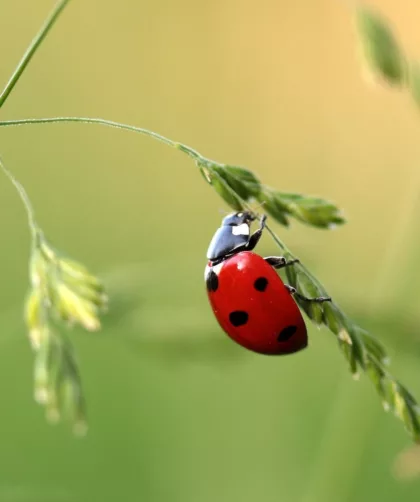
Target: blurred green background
x: 177, y: 411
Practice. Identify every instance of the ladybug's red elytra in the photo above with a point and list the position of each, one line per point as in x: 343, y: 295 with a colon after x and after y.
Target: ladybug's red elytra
x: 249, y: 299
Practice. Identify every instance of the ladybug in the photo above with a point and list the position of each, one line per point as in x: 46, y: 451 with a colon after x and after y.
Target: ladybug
x: 249, y: 299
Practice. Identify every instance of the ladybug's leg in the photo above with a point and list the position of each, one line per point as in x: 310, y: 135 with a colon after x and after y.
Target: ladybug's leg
x: 280, y: 261
x: 256, y: 236
x: 319, y: 299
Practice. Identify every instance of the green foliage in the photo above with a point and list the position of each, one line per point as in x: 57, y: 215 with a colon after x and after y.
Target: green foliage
x: 237, y: 184
x: 381, y: 50
x: 244, y: 183
x: 309, y: 210
x: 65, y: 291
x: 362, y: 351
x: 384, y: 55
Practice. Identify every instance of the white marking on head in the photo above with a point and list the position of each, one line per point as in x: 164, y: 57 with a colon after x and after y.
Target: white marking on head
x: 240, y: 229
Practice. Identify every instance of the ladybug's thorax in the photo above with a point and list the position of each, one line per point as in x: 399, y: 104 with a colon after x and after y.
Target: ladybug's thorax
x: 230, y: 237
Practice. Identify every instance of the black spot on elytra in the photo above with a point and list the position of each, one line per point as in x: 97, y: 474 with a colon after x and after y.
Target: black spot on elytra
x: 238, y: 318
x: 212, y: 281
x: 261, y: 284
x: 286, y: 333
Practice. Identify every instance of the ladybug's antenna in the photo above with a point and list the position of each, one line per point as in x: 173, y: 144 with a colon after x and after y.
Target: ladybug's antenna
x: 254, y: 211
x: 261, y: 204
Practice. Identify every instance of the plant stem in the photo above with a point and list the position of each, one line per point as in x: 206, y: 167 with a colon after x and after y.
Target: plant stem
x: 30, y: 51
x: 118, y: 125
x: 24, y: 197
x: 110, y: 123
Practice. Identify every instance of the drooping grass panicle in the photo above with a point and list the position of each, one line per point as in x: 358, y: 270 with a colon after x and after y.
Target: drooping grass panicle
x: 61, y: 290
x: 361, y: 350
x: 237, y: 184
x: 384, y: 57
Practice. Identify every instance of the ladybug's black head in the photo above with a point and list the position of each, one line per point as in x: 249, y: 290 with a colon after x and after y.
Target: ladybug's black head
x: 239, y: 218
x: 232, y: 236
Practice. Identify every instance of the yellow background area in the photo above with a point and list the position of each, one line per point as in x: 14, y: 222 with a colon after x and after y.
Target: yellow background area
x: 178, y: 412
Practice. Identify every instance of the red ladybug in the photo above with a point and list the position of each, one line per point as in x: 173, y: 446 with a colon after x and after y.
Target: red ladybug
x: 249, y: 299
